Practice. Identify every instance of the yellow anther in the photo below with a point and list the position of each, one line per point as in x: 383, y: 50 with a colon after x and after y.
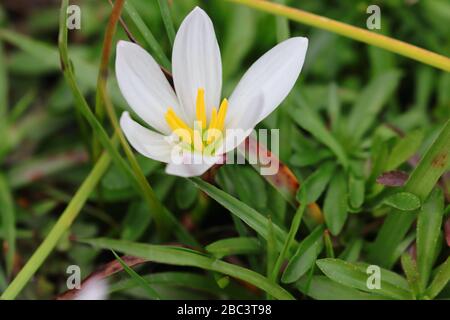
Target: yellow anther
x: 194, y: 137
x: 200, y: 107
x: 222, y: 114
x: 178, y: 126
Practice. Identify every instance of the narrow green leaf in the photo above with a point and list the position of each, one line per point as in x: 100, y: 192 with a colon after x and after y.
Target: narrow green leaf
x: 355, y: 276
x: 356, y: 191
x: 248, y: 215
x: 306, y: 118
x: 147, y: 35
x: 305, y: 257
x: 429, y: 224
x: 328, y: 244
x: 234, y: 246
x: 421, y: 182
x: 404, y: 201
x: 8, y: 218
x: 412, y: 275
x: 137, y: 278
x: 186, y: 257
x: 322, y: 288
x: 316, y: 183
x: 404, y: 149
x: 3, y: 85
x: 352, y: 250
x: 335, y: 204
x: 440, y: 280
x: 167, y: 19
x: 370, y: 103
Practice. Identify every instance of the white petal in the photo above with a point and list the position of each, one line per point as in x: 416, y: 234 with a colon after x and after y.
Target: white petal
x: 144, y: 85
x: 148, y: 143
x: 273, y: 75
x: 196, y: 63
x: 95, y: 289
x: 191, y: 165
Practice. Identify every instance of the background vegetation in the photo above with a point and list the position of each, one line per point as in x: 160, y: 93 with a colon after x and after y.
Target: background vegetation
x: 365, y: 132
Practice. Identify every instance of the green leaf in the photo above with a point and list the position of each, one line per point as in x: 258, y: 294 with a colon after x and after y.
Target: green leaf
x: 356, y: 191
x: 370, y: 103
x: 167, y: 19
x: 186, y: 257
x: 248, y: 215
x: 306, y: 118
x: 440, y: 280
x: 322, y: 288
x: 316, y: 183
x: 352, y: 250
x: 404, y: 149
x: 428, y: 229
x: 335, y: 204
x: 234, y: 246
x: 8, y: 219
x: 147, y: 35
x: 356, y: 276
x: 3, y: 87
x: 421, y: 182
x: 404, y: 201
x: 305, y: 257
x: 137, y: 278
x: 412, y: 275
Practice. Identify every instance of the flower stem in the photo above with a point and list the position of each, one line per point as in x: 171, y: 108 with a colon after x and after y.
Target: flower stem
x: 346, y: 30
x: 62, y: 225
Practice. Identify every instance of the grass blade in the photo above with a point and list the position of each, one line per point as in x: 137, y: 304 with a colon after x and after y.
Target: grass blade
x: 355, y: 276
x: 137, y: 278
x: 248, y: 215
x: 305, y: 257
x: 148, y: 36
x: 322, y: 288
x: 64, y: 222
x: 186, y: 257
x: 8, y: 218
x: 429, y: 224
x: 440, y: 280
x: 167, y: 19
x: 421, y: 182
x: 234, y: 246
x: 335, y: 204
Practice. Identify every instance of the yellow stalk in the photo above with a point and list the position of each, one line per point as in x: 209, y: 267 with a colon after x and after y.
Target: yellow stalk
x: 372, y: 38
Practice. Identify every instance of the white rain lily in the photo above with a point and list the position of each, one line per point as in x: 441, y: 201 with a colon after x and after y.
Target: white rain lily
x: 193, y: 128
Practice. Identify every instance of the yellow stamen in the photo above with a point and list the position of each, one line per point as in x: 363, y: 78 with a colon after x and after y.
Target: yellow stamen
x: 200, y: 107
x: 194, y: 137
x: 178, y: 126
x: 221, y: 115
x: 212, y: 125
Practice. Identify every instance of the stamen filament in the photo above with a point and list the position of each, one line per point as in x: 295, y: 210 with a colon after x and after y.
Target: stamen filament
x: 200, y: 107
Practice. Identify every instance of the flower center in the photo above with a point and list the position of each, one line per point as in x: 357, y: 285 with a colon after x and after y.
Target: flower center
x: 202, y: 137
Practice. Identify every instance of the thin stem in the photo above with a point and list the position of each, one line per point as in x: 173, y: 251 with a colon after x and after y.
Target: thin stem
x: 103, y: 69
x: 106, y: 104
x: 378, y: 40
x: 62, y: 225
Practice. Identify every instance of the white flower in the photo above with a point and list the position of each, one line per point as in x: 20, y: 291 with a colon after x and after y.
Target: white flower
x: 94, y: 289
x: 205, y: 128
